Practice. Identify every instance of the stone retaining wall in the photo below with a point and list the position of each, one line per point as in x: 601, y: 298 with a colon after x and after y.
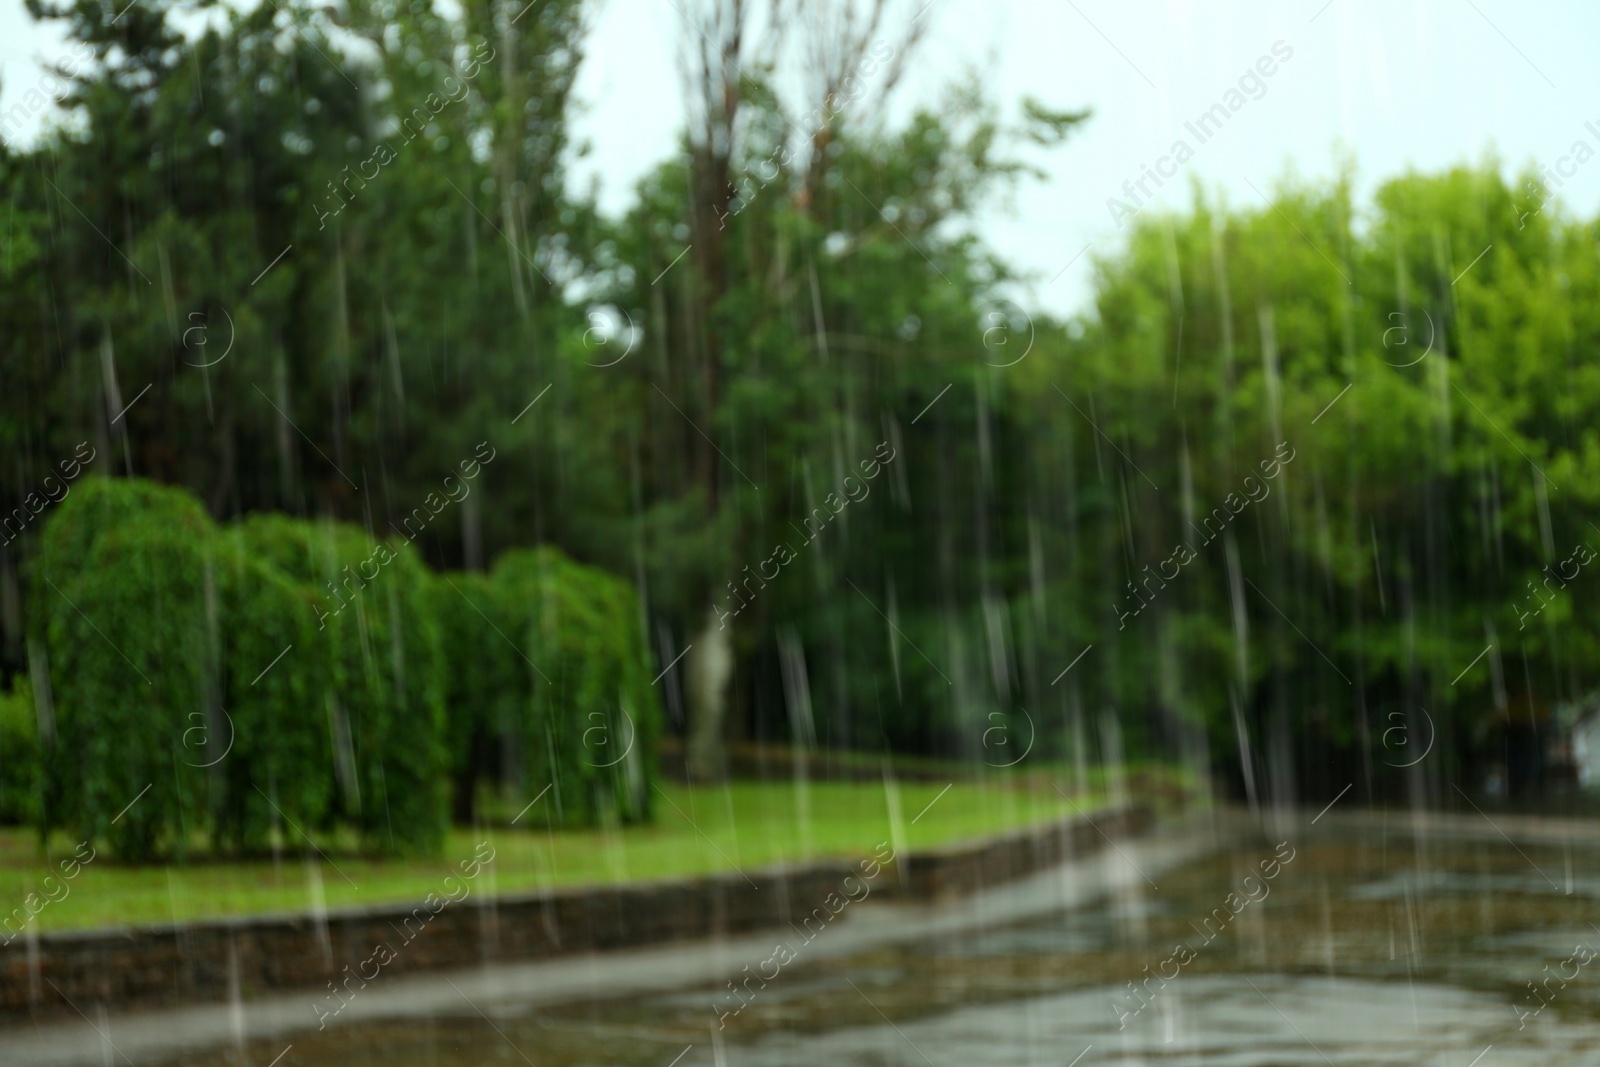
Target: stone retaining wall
x: 216, y: 959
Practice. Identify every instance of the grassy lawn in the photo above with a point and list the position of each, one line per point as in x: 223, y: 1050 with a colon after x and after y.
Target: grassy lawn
x: 743, y: 825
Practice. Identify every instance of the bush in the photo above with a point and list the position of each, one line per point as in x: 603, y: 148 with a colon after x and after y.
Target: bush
x: 121, y: 594
x: 277, y: 681
x: 592, y: 714
x: 372, y: 606
x: 486, y: 682
x: 101, y: 505
x: 19, y: 755
x: 286, y: 675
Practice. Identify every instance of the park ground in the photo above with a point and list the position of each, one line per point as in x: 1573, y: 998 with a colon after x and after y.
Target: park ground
x: 701, y: 830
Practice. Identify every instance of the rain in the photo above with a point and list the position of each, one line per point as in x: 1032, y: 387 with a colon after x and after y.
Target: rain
x: 695, y: 533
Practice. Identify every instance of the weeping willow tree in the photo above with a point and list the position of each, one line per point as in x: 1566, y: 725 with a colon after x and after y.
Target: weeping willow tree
x: 273, y: 748
x: 275, y: 677
x: 592, y: 719
x: 280, y: 676
x: 486, y: 682
x: 548, y: 685
x: 375, y: 645
x: 120, y: 604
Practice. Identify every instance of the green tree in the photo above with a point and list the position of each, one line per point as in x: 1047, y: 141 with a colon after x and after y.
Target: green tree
x: 385, y: 704
x: 123, y: 573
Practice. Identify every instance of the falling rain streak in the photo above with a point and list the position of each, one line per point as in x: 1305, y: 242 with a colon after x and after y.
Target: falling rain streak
x: 565, y: 533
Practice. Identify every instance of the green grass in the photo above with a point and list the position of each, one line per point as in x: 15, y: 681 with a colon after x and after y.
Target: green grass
x: 741, y: 825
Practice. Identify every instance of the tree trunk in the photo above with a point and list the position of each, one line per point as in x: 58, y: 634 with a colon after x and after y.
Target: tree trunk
x: 708, y: 669
x: 464, y: 788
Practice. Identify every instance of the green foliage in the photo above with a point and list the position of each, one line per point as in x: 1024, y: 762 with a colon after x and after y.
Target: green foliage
x: 786, y: 298
x: 1049, y: 126
x: 593, y: 720
x: 378, y: 656
x: 211, y: 140
x: 841, y: 290
x: 121, y: 600
x: 19, y: 755
x: 99, y: 505
x: 1445, y: 457
x: 283, y: 675
x: 548, y: 684
x: 215, y: 669
x: 276, y: 684
x: 1032, y: 501
x: 486, y: 682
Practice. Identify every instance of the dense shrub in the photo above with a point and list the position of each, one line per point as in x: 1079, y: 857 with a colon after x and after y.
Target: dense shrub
x: 486, y: 684
x: 120, y: 600
x: 19, y: 755
x: 372, y: 607
x: 277, y: 681
x: 282, y: 676
x: 593, y: 716
x: 101, y: 505
x: 547, y: 682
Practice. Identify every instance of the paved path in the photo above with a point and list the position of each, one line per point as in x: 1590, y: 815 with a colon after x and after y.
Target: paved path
x: 138, y: 1036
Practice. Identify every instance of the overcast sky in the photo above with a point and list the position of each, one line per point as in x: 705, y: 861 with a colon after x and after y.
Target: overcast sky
x: 1392, y: 85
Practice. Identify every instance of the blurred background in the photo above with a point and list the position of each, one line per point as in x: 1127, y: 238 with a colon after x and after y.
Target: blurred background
x: 562, y: 491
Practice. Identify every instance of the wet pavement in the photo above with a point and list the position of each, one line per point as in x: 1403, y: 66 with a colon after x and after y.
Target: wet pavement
x: 1353, y: 943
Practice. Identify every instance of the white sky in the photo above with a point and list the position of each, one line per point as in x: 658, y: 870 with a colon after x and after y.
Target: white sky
x: 1393, y: 85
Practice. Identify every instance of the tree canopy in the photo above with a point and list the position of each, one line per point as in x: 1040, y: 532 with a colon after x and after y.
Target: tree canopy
x: 1300, y: 463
